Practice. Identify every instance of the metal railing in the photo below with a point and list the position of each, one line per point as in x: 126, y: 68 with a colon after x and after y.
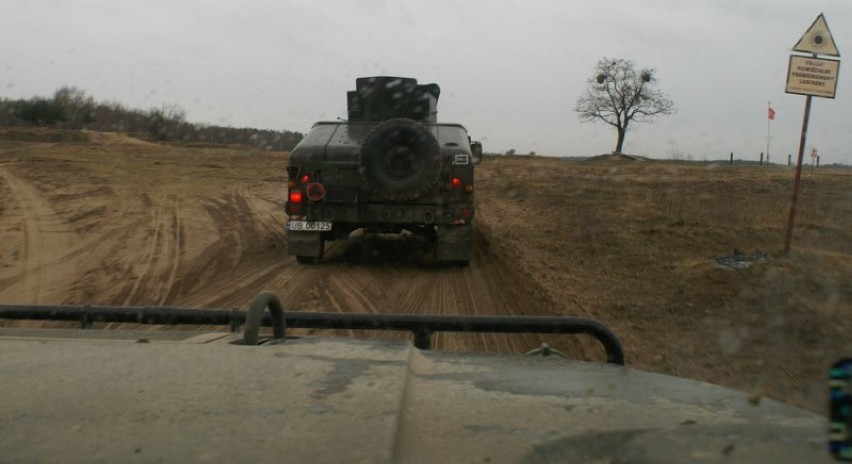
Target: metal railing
x: 421, y: 326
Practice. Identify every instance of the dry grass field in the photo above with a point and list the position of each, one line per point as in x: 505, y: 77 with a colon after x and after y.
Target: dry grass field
x: 109, y: 219
x: 631, y: 243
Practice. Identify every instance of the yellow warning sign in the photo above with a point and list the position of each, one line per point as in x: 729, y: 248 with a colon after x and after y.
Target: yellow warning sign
x: 812, y: 76
x: 817, y: 39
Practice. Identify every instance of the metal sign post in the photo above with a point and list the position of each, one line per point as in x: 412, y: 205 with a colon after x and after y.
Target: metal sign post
x: 813, y: 77
x: 797, y: 179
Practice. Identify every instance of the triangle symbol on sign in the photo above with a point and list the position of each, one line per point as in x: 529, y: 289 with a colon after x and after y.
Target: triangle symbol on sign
x: 817, y: 39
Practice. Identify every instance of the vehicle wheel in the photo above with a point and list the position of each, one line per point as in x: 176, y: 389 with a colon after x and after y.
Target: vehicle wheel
x: 400, y: 159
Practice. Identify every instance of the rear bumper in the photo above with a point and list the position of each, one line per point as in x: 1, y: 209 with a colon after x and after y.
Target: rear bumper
x: 391, y: 214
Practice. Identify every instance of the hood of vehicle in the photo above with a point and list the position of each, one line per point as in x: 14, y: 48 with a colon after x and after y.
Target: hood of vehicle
x: 176, y: 396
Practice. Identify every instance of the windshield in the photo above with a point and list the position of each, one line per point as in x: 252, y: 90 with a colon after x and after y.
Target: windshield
x: 640, y: 162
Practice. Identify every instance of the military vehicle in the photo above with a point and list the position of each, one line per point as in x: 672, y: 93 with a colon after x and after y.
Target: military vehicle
x: 90, y: 395
x: 390, y: 167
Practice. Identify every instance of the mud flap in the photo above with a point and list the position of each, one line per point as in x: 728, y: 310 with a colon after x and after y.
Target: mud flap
x: 455, y: 243
x: 308, y: 244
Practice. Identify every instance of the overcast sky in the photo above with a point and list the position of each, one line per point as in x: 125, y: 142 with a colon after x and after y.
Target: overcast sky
x: 510, y: 71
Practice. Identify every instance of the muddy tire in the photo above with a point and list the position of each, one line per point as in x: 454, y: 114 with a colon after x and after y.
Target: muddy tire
x: 400, y: 160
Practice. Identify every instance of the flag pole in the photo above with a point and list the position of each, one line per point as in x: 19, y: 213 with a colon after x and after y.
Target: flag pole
x: 768, y: 122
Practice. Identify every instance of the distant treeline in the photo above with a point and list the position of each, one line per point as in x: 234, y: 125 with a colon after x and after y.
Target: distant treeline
x: 71, y: 108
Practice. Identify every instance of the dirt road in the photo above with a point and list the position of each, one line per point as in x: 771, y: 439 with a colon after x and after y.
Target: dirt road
x: 120, y: 222
x: 113, y: 220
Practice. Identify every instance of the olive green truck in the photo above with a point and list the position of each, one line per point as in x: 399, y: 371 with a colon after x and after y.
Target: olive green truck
x: 389, y: 167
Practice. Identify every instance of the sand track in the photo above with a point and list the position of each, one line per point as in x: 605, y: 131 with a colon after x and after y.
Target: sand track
x: 45, y: 244
x: 165, y: 240
x: 161, y: 258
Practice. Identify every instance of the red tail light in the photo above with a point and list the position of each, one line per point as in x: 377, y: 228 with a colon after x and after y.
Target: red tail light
x: 456, y: 182
x: 305, y: 178
x: 295, y: 196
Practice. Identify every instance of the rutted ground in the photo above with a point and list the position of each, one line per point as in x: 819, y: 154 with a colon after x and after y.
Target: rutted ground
x: 139, y: 224
x: 119, y: 221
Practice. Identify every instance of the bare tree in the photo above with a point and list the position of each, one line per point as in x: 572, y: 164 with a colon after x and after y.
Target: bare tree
x: 619, y: 94
x: 78, y: 107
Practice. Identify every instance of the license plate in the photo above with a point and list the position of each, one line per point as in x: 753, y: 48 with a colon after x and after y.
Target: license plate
x: 318, y: 226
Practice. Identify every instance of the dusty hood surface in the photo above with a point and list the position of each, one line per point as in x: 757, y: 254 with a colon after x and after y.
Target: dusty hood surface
x: 108, y: 396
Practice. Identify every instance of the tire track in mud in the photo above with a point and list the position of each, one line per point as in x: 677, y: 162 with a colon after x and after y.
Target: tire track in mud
x: 390, y: 277
x: 155, y: 280
x: 264, y: 211
x: 239, y: 264
x: 46, y: 240
x: 151, y: 247
x: 68, y: 229
x: 175, y: 253
x: 472, y: 299
x: 251, y: 258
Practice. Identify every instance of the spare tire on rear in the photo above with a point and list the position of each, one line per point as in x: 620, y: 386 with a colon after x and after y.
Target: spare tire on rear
x: 400, y: 160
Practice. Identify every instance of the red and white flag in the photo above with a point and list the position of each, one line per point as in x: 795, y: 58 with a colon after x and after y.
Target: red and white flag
x: 771, y: 113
